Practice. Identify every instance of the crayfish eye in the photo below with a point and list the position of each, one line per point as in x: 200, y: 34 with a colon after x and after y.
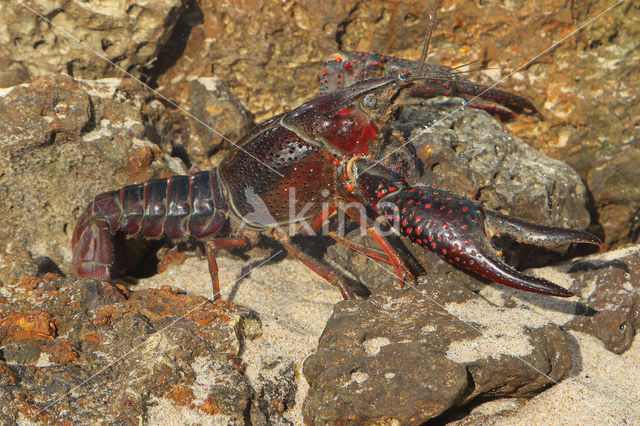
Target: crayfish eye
x: 370, y: 101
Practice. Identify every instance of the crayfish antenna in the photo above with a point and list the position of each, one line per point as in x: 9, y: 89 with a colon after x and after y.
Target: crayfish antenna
x: 432, y: 24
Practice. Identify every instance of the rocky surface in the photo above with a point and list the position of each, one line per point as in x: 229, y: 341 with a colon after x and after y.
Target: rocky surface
x: 408, y: 356
x: 73, y: 349
x: 38, y: 323
x: 42, y: 37
x: 65, y: 141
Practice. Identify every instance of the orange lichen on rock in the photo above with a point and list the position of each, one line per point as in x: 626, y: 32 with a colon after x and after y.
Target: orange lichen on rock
x: 209, y: 406
x: 182, y: 395
x: 61, y: 351
x: 140, y: 157
x: 93, y: 338
x: 18, y: 326
x: 108, y: 314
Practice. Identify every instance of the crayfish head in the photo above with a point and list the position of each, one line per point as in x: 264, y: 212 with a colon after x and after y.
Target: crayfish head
x: 366, y: 181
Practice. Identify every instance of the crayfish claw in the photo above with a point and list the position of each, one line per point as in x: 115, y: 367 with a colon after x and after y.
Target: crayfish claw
x: 528, y: 232
x: 459, y: 230
x: 495, y: 269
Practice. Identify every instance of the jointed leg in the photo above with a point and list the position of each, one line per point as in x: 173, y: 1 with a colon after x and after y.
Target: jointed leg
x: 360, y: 248
x: 249, y: 239
x: 394, y: 259
x: 391, y: 257
x: 325, y: 271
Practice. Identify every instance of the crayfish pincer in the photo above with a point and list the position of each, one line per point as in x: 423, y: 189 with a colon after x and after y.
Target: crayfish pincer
x: 456, y: 228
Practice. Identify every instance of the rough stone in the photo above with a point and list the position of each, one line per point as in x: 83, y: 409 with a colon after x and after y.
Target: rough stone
x: 216, y: 118
x: 76, y: 350
x: 609, y: 289
x: 81, y: 347
x: 275, y: 392
x: 128, y: 34
x: 407, y: 356
x: 65, y: 141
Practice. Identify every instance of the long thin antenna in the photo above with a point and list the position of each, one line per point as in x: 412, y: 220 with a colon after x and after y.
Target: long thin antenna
x: 432, y: 24
x: 464, y: 65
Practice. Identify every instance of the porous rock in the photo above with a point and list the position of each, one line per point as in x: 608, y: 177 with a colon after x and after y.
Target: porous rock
x: 216, y: 118
x: 74, y: 33
x: 410, y: 355
x: 608, y: 285
x: 275, y: 391
x: 65, y: 141
x: 80, y: 350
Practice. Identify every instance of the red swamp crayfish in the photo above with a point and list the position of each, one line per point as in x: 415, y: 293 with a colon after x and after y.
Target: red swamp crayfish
x: 319, y: 154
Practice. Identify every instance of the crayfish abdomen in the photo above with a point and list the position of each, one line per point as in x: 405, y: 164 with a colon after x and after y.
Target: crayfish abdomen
x: 177, y: 208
